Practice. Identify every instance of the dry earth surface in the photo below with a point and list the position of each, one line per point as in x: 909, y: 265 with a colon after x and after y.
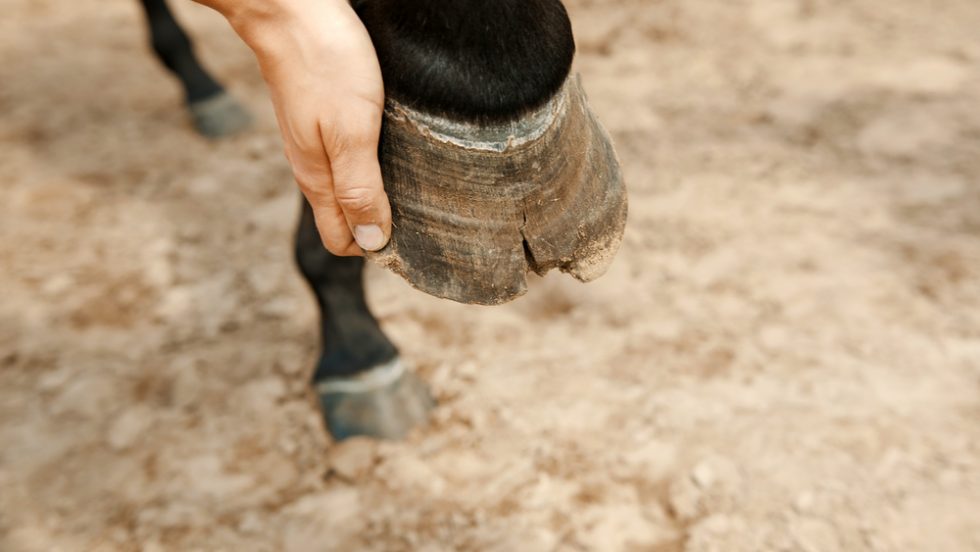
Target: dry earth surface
x: 785, y: 356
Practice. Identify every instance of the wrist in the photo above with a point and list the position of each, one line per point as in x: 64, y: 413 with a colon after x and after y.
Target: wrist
x: 262, y: 24
x: 253, y: 21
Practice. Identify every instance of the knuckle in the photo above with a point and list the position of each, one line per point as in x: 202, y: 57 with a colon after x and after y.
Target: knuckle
x: 353, y: 136
x: 311, y: 180
x: 355, y: 200
x: 363, y: 138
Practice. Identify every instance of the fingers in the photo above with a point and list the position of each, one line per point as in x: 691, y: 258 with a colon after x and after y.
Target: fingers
x: 335, y: 163
x: 358, y: 191
x: 327, y: 91
x: 331, y: 224
x: 335, y: 233
x: 341, y: 179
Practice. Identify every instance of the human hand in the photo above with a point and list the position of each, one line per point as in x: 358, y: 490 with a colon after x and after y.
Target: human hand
x: 325, y: 82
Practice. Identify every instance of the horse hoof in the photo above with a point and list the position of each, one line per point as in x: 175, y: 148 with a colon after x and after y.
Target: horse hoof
x: 219, y: 116
x: 385, y: 402
x: 476, y: 206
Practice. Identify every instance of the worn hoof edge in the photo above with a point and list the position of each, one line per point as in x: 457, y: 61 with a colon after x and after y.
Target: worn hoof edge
x: 385, y: 402
x: 219, y: 116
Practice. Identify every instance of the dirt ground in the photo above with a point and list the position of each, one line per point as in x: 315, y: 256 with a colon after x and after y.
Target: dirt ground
x: 785, y: 355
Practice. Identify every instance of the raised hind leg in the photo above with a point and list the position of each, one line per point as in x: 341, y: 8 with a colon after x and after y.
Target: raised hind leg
x: 213, y: 111
x: 363, y: 386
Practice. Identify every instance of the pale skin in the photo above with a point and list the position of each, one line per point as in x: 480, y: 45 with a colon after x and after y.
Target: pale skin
x: 325, y: 84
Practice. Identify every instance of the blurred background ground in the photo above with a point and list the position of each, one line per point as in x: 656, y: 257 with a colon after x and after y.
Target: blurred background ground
x: 785, y: 356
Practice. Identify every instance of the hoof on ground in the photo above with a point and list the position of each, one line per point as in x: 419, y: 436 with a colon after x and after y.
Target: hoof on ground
x: 219, y: 116
x: 385, y: 402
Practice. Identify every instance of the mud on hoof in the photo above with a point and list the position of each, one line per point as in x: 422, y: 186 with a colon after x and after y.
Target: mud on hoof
x: 218, y: 116
x: 385, y: 402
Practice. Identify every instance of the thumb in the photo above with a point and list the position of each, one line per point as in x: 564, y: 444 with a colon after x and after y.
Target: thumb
x: 357, y: 184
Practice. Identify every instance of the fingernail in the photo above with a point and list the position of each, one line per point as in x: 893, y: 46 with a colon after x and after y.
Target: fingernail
x: 369, y: 237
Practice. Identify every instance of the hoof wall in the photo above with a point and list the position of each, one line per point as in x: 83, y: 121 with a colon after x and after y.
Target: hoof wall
x: 386, y: 402
x: 475, y: 207
x: 219, y: 116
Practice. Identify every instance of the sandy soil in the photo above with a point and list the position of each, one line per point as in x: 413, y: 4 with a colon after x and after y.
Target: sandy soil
x: 785, y: 356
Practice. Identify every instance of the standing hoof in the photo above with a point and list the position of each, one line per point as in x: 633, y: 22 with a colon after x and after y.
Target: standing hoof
x: 219, y: 116
x: 385, y: 402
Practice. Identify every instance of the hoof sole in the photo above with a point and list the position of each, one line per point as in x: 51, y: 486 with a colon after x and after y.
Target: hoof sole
x: 386, y: 402
x: 219, y: 116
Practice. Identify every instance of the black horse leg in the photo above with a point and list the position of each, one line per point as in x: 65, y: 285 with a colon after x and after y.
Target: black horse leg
x: 352, y: 339
x: 214, y: 112
x: 174, y: 49
x: 362, y: 384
